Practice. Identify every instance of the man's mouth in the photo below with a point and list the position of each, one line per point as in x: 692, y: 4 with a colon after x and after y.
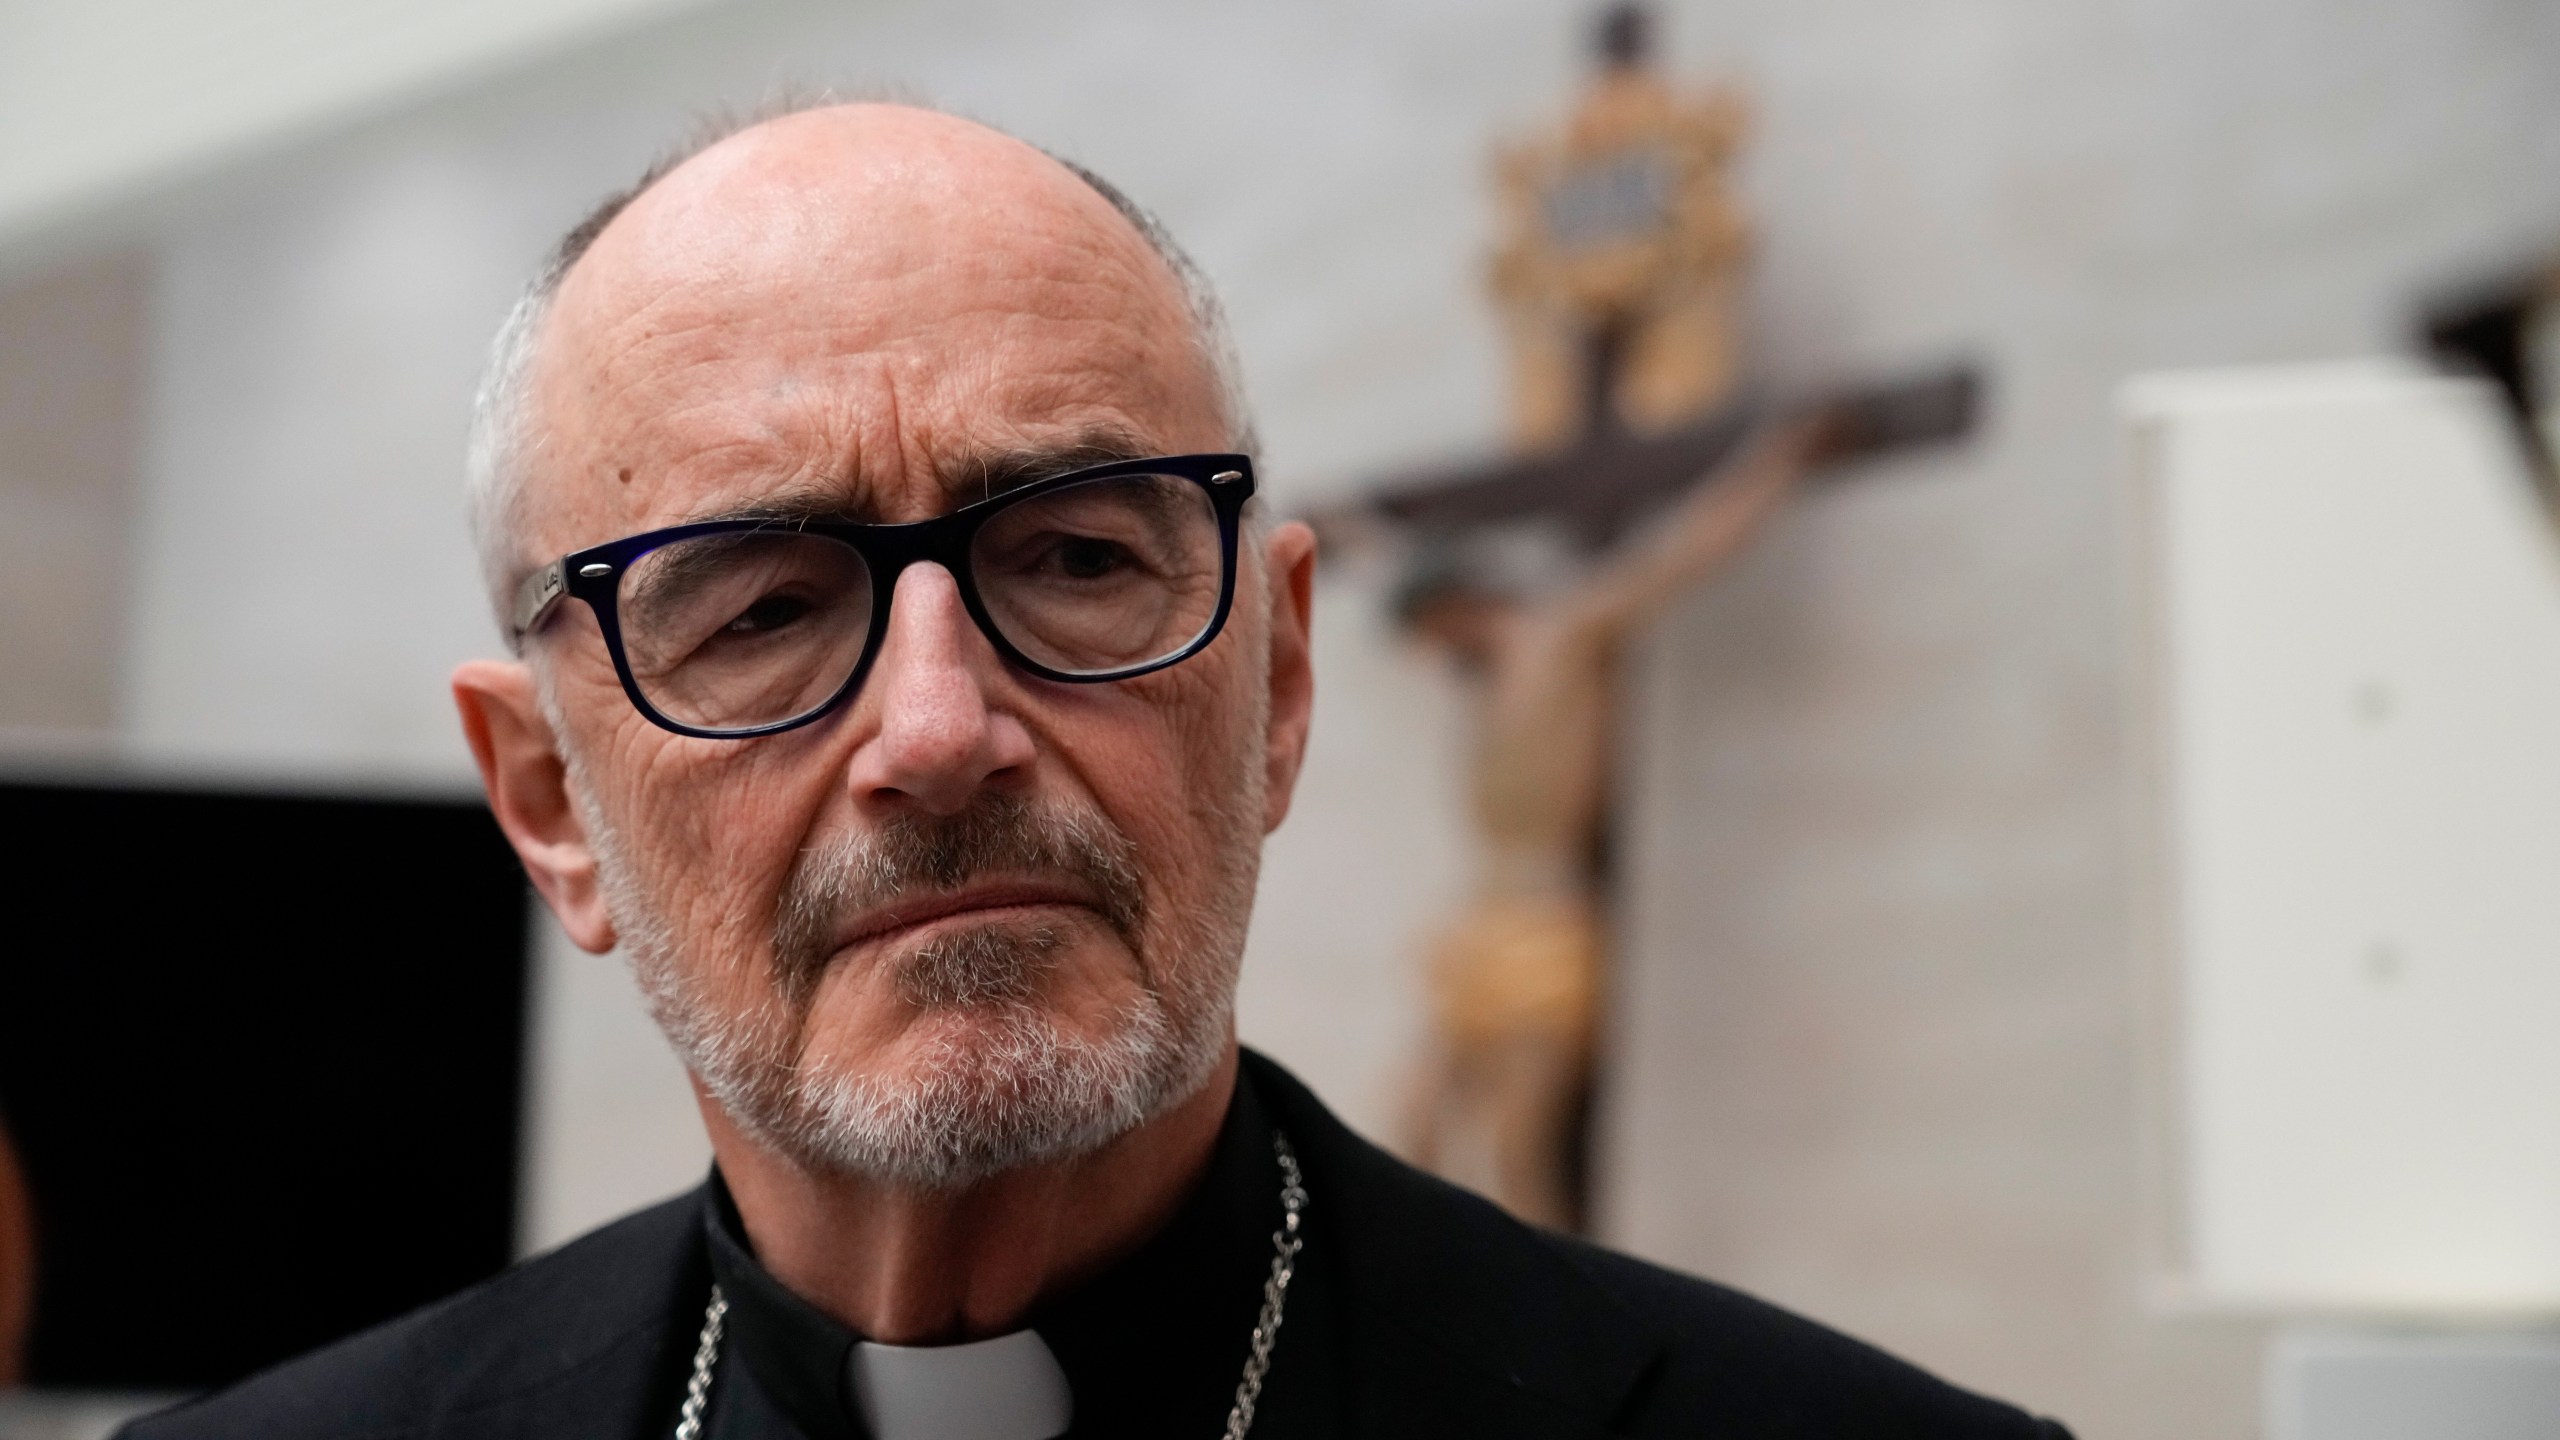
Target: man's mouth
x: 978, y: 904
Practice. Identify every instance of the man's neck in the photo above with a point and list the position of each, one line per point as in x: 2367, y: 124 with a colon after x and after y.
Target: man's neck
x: 910, y: 1267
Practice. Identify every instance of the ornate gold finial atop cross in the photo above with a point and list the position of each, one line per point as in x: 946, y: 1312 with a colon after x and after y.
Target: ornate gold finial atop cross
x: 1622, y: 253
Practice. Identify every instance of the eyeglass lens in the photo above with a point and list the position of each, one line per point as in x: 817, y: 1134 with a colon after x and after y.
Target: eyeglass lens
x: 745, y: 629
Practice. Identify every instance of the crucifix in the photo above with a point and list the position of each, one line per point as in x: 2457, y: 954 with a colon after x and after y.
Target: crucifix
x: 1618, y: 277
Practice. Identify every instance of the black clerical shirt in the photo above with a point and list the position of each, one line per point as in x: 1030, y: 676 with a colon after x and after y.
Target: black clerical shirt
x: 1417, y: 1310
x: 1152, y: 1347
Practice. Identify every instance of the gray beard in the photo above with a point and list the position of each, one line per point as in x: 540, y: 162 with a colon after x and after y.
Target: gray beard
x: 1014, y: 1087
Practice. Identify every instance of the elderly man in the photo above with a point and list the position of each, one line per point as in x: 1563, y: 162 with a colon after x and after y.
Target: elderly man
x: 906, y: 681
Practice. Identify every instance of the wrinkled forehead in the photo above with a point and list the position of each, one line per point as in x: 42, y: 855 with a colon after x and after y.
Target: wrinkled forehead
x: 908, y: 321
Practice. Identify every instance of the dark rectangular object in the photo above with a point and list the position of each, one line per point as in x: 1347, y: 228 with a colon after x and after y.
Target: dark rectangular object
x: 262, y: 1058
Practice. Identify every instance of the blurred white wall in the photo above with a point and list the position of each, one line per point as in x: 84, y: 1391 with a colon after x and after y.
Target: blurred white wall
x: 304, y: 583
x: 108, y: 100
x: 72, y: 392
x: 1875, y: 1057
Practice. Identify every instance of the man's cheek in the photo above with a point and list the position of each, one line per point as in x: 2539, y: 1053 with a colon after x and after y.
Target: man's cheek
x: 741, y: 884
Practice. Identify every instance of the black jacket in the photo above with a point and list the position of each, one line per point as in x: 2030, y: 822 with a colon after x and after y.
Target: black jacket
x: 1461, y: 1321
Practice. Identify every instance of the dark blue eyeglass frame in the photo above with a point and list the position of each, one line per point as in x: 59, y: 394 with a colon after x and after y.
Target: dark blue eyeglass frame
x: 594, y: 575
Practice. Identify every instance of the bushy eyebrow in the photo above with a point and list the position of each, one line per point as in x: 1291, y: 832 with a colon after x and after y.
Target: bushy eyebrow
x: 963, y: 479
x: 980, y: 474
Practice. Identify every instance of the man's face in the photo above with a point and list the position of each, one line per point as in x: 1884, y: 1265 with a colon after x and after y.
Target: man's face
x: 971, y: 918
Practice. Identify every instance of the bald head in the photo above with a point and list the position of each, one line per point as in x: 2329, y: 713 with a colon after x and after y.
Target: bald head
x: 844, y: 293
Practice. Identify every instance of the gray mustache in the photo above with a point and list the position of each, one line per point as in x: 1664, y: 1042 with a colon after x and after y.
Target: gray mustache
x: 918, y: 855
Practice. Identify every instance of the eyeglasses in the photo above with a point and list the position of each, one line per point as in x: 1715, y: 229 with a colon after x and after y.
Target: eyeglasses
x: 731, y: 628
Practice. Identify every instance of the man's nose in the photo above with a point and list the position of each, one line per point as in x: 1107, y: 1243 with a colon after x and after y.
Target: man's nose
x: 939, y: 741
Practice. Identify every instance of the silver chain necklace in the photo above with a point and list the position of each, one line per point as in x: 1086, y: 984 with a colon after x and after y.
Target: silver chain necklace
x: 1285, y: 1244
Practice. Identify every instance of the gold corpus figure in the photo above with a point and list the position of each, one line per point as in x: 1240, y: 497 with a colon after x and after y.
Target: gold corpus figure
x: 1622, y: 254
x: 1515, y: 985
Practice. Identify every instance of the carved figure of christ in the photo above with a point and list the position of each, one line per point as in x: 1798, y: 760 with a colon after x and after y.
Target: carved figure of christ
x: 1515, y: 981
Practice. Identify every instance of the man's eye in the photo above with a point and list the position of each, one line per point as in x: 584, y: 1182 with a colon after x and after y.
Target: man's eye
x: 1084, y: 558
x: 770, y: 613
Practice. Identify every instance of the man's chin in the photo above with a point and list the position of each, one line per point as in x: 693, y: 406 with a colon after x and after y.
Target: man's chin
x: 900, y: 1038
x: 1063, y: 964
x: 961, y: 1093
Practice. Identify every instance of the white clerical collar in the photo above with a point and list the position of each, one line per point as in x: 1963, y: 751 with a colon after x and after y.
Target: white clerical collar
x: 1008, y: 1388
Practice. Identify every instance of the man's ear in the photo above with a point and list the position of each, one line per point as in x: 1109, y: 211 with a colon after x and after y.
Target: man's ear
x: 1289, y: 563
x: 528, y: 784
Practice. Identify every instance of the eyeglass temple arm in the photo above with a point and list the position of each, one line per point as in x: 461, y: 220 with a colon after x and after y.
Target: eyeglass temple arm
x: 534, y: 598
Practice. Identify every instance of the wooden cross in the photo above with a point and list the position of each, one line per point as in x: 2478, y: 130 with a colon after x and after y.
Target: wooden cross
x: 1598, y: 490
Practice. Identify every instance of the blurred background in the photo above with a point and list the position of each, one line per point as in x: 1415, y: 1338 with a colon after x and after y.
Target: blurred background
x: 1905, y: 1023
